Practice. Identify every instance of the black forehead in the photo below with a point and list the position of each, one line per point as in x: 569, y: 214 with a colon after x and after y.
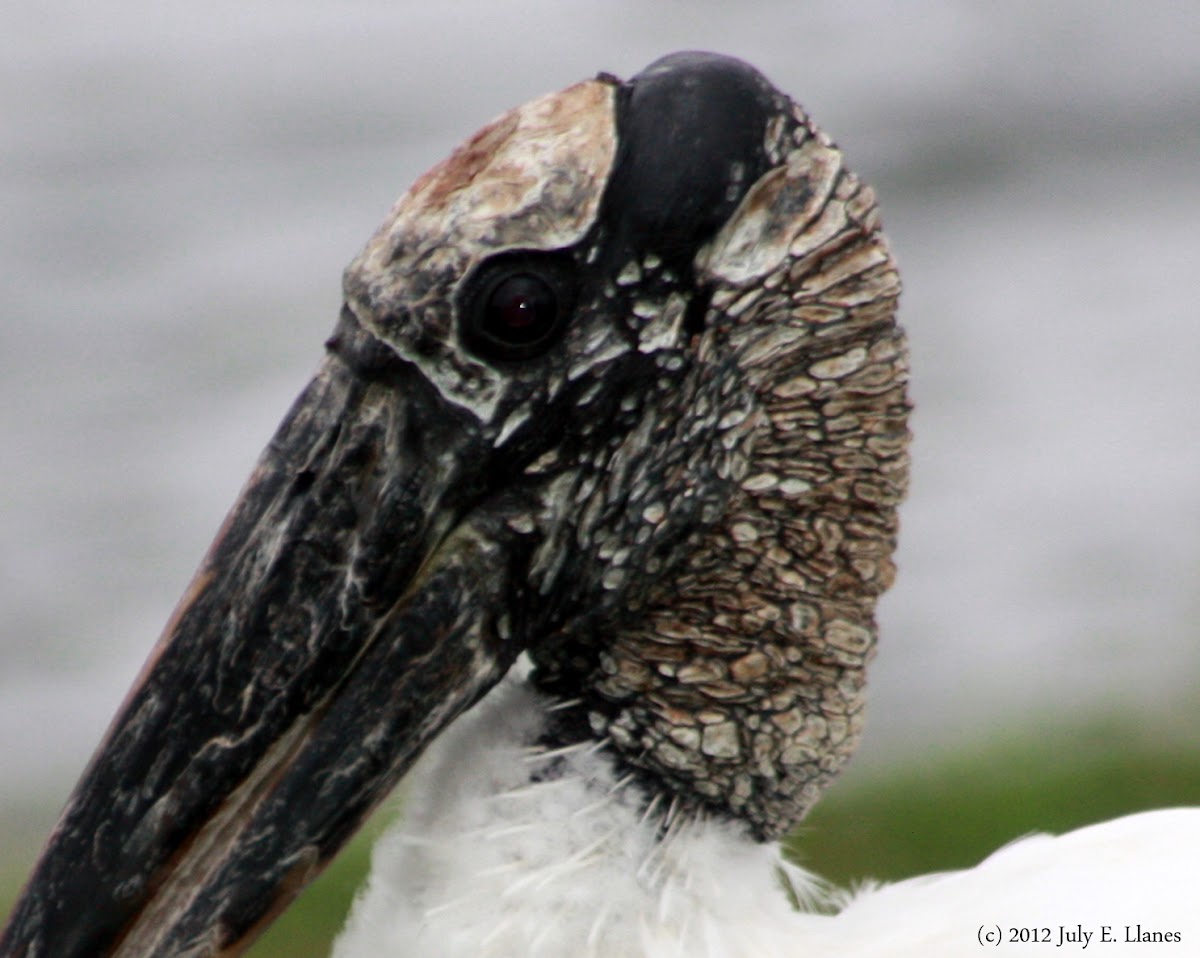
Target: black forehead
x: 691, y: 135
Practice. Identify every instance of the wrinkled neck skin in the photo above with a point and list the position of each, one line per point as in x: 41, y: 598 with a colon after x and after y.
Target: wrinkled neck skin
x: 739, y: 682
x: 507, y: 848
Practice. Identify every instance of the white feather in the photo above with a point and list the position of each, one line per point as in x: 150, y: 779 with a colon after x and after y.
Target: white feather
x: 507, y: 853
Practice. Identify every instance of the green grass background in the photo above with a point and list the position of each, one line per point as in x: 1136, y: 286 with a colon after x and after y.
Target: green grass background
x: 949, y: 812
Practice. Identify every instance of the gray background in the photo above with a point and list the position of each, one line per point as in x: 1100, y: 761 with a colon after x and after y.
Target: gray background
x: 181, y: 184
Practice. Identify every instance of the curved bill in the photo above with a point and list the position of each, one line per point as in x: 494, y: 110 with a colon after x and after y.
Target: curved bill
x: 340, y: 620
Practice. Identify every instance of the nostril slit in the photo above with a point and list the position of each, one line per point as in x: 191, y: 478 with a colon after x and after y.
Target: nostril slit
x: 697, y: 312
x: 304, y: 481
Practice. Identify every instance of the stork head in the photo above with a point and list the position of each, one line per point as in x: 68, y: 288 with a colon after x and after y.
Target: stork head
x: 619, y: 385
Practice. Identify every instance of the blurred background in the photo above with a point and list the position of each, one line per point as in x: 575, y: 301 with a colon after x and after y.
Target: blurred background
x: 182, y: 183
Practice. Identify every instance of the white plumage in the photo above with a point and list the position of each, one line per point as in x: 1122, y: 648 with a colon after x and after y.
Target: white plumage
x: 506, y: 851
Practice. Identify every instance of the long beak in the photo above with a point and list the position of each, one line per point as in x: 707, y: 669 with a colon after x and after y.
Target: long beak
x: 338, y: 623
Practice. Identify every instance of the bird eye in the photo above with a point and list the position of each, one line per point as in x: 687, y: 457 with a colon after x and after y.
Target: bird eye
x: 516, y: 308
x: 520, y: 310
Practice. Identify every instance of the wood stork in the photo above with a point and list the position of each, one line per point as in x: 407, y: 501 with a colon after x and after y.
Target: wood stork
x: 617, y: 397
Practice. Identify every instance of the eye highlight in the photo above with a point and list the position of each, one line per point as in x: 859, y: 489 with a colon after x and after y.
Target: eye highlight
x: 515, y: 307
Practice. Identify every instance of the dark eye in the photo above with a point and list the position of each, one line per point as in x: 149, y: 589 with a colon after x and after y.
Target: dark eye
x: 516, y: 308
x: 520, y: 310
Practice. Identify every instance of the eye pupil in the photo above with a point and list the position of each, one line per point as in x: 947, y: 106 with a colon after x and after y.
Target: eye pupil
x: 520, y: 310
x: 518, y: 313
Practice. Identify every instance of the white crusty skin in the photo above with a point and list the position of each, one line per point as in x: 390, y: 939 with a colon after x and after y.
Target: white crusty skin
x: 531, y: 179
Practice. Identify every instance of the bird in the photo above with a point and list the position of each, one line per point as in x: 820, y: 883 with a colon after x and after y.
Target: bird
x: 578, y: 531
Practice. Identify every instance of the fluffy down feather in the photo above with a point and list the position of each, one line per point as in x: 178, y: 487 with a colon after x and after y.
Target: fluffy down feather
x: 507, y: 851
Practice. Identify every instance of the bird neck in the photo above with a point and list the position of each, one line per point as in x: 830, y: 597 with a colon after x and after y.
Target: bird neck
x: 509, y: 847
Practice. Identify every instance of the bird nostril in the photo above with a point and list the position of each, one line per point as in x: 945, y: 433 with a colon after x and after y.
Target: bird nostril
x: 697, y: 312
x: 304, y: 481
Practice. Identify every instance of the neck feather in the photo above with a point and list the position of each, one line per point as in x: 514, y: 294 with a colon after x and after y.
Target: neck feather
x: 509, y: 848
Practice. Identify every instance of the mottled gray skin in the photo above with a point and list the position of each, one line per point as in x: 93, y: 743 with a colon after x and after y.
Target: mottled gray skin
x: 712, y: 526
